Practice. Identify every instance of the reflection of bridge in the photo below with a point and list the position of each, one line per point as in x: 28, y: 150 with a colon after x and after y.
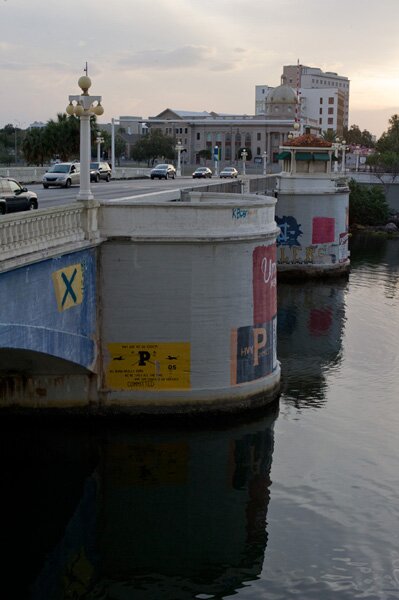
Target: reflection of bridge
x: 70, y: 279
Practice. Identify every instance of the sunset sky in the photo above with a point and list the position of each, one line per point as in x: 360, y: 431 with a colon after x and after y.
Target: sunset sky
x: 148, y: 55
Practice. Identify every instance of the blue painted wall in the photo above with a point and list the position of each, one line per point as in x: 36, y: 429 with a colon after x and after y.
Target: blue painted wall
x: 50, y: 307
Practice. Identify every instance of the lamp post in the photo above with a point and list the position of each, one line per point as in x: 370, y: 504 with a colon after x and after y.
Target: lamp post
x: 99, y: 141
x: 343, y: 146
x: 178, y: 149
x: 83, y: 109
x: 244, y: 155
x: 264, y: 162
x: 356, y: 152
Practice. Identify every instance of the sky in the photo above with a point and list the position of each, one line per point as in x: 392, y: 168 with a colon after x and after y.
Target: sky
x: 145, y: 56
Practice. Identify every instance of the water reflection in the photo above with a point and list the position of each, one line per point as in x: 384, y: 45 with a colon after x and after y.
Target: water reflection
x: 144, y: 514
x: 310, y: 322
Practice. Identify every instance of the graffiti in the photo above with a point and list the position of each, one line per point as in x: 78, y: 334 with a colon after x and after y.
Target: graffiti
x: 315, y: 254
x: 264, y: 270
x: 290, y: 230
x: 68, y: 286
x: 343, y: 247
x: 269, y: 270
x: 239, y: 213
x: 253, y: 352
x: 323, y: 230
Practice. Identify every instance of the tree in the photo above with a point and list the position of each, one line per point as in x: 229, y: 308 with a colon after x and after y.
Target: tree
x: 389, y: 141
x: 329, y: 135
x: 249, y: 153
x: 35, y: 147
x: 386, y: 158
x: 205, y: 154
x: 155, y: 144
x: 367, y: 204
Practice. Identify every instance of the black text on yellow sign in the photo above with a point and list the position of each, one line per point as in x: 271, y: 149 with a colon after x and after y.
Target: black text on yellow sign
x: 152, y: 366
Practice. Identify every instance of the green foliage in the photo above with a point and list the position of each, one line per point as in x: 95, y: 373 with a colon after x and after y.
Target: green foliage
x: 206, y: 154
x: 239, y: 152
x: 353, y: 135
x: 389, y: 141
x: 367, y: 205
x: 60, y: 138
x: 154, y: 145
x: 329, y: 135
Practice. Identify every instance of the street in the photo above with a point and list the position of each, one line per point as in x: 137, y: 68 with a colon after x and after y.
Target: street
x: 115, y: 189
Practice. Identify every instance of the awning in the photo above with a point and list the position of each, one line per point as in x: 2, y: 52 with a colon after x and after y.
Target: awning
x: 303, y: 156
x: 283, y: 155
x: 321, y: 156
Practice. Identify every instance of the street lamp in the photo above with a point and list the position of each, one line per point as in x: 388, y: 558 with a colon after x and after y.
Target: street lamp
x: 356, y: 152
x: 343, y: 146
x: 83, y: 109
x: 99, y: 141
x: 244, y: 155
x: 264, y: 162
x: 179, y: 149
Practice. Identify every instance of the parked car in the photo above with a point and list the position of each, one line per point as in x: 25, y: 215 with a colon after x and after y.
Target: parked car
x: 100, y: 170
x: 14, y: 197
x: 202, y: 172
x: 163, y: 172
x: 62, y: 175
x: 229, y: 172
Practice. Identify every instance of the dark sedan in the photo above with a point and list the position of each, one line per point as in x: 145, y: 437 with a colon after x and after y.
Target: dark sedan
x: 14, y: 197
x: 202, y: 172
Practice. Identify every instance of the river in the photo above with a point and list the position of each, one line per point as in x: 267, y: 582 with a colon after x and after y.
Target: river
x: 299, y: 500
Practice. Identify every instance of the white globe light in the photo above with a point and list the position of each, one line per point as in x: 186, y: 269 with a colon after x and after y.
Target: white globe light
x: 84, y: 83
x: 70, y: 109
x: 79, y: 110
x: 98, y: 110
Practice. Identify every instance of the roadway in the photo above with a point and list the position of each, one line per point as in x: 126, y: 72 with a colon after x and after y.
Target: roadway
x: 125, y: 188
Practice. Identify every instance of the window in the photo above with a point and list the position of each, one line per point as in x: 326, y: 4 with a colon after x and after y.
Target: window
x: 320, y: 111
x: 185, y: 130
x: 258, y: 137
x: 331, y: 111
x: 321, y: 100
x: 330, y: 121
x: 320, y: 121
x: 198, y: 135
x: 331, y: 101
x: 258, y: 150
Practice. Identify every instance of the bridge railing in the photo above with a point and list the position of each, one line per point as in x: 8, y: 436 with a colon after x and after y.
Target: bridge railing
x: 41, y: 234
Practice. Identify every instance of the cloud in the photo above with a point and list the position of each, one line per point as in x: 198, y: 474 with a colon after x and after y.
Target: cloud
x: 185, y: 57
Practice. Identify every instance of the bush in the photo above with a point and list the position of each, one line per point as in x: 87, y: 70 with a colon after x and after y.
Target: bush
x: 367, y: 205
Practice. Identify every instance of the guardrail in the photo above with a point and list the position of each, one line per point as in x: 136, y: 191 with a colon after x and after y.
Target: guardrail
x: 41, y: 234
x: 35, y: 174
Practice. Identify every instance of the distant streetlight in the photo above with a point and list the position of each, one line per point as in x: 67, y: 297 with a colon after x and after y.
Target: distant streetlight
x: 99, y: 141
x: 179, y: 149
x: 339, y: 145
x: 83, y: 109
x: 264, y: 162
x: 244, y: 155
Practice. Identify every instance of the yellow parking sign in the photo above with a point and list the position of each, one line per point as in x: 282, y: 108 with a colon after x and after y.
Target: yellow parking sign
x: 68, y: 286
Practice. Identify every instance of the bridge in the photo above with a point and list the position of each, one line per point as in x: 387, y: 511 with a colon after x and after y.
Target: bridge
x: 93, y: 297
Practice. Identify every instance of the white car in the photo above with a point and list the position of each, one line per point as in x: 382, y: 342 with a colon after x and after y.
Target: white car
x: 62, y: 175
x: 229, y: 172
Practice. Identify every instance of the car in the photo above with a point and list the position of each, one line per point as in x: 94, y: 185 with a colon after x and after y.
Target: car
x: 202, y: 172
x: 100, y: 170
x: 163, y: 171
x: 14, y: 197
x: 62, y: 175
x: 229, y: 172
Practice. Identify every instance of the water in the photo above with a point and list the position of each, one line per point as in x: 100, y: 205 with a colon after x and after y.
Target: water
x: 297, y: 501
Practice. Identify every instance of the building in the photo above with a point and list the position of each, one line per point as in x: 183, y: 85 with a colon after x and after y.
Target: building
x: 200, y: 131
x: 306, y: 78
